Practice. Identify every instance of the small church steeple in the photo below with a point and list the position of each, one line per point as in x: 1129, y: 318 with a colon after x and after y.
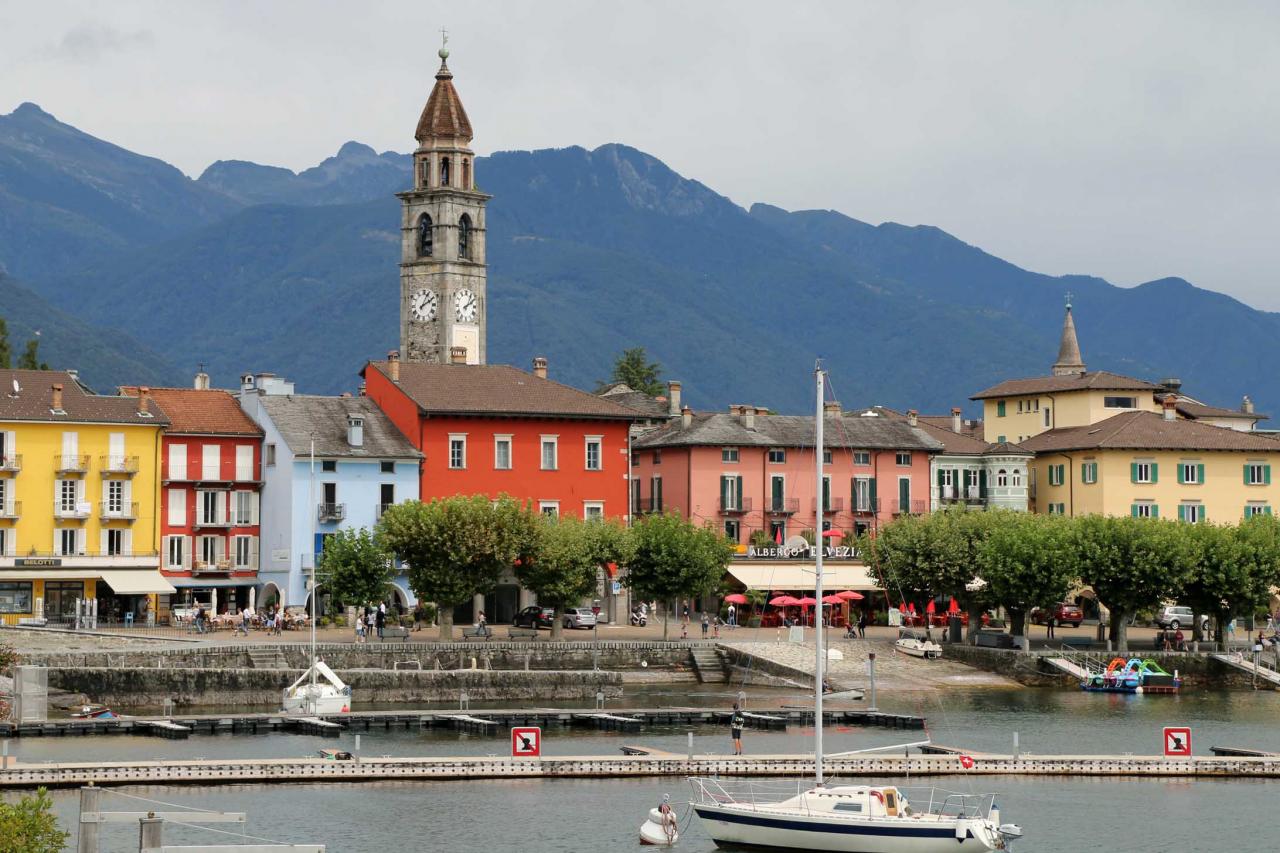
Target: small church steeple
x: 1069, y: 361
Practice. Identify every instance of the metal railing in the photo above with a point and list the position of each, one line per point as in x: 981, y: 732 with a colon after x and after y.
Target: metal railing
x: 866, y: 506
x: 79, y: 509
x: 216, y: 521
x: 733, y: 506
x: 913, y: 507
x: 11, y: 509
x: 651, y: 505
x: 834, y: 504
x: 117, y: 510
x: 118, y: 464
x: 331, y: 512
x: 784, y: 506
x: 222, y: 564
x: 70, y: 464
x: 379, y: 509
x: 11, y: 462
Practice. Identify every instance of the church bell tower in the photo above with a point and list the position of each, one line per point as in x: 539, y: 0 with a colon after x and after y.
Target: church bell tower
x: 442, y: 259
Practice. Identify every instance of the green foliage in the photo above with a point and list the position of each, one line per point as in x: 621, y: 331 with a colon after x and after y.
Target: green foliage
x: 633, y: 367
x: 1235, y: 568
x: 6, y: 351
x: 29, y: 826
x: 568, y: 554
x: 356, y: 567
x: 458, y: 547
x: 30, y: 358
x: 672, y: 558
x: 1027, y: 561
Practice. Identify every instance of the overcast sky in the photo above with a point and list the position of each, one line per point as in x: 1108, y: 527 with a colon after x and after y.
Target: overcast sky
x: 1127, y: 140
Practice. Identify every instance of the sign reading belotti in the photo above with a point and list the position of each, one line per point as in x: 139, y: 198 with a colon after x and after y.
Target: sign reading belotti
x: 1177, y: 742
x: 526, y: 742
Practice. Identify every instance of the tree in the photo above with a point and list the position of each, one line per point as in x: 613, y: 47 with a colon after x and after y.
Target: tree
x: 457, y: 547
x: 565, y: 561
x: 6, y: 351
x: 30, y: 358
x: 633, y: 367
x: 1131, y: 563
x: 671, y: 559
x: 1234, y: 569
x: 1028, y: 561
x: 29, y: 826
x: 357, y: 568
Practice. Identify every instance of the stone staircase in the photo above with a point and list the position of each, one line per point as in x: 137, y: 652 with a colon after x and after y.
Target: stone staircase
x: 267, y: 658
x: 710, y: 664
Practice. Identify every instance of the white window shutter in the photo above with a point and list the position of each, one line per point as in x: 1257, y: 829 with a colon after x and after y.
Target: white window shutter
x: 127, y: 543
x: 177, y: 462
x: 70, y: 443
x: 211, y: 462
x: 253, y: 552
x: 102, y: 542
x: 177, y: 507
x: 254, y: 507
x: 244, y: 462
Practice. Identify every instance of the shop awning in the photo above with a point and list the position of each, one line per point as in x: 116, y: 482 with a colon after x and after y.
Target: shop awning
x: 49, y: 574
x: 211, y: 583
x: 136, y: 581
x: 800, y: 576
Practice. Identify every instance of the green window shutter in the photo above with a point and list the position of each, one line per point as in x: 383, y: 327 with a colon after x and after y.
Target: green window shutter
x: 1133, y: 472
x: 1084, y: 472
x: 740, y: 503
x: 1155, y: 511
x: 1133, y: 510
x: 941, y: 477
x: 1266, y: 474
x: 1246, y: 473
x: 724, y: 492
x: 1000, y: 439
x: 1155, y: 472
x: 1199, y: 472
x: 982, y: 484
x: 875, y: 506
x: 1000, y: 409
x: 1204, y: 516
x: 1181, y: 479
x: 1247, y: 511
x: 1266, y: 510
x: 1182, y: 513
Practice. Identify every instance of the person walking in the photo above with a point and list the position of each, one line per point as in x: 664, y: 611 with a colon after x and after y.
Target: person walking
x: 358, y: 624
x: 380, y: 619
x: 733, y: 617
x: 706, y: 624
x: 736, y: 723
x: 862, y: 625
x: 199, y: 618
x: 1048, y: 626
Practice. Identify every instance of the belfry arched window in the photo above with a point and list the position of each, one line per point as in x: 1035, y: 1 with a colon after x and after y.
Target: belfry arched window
x: 466, y: 174
x: 464, y: 237
x: 426, y: 237
x: 444, y: 171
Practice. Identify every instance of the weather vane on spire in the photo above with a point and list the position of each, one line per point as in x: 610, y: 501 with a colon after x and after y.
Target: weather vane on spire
x: 1070, y: 295
x: 444, y: 43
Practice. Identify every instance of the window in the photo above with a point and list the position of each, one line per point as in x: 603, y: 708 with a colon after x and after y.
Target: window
x: 466, y: 174
x: 386, y: 497
x: 1037, y: 402
x: 778, y: 531
x: 1019, y: 407
x: 243, y: 556
x: 593, y: 510
x: 244, y: 508
x: 1057, y: 475
x: 15, y: 597
x: 862, y: 494
x: 550, y: 452
x: 212, y: 508
x: 1000, y: 409
x: 731, y: 493
x: 733, y: 530
x: 862, y: 457
x: 826, y: 493
x: 635, y: 457
x: 1016, y: 478
x: 177, y: 462
x: 269, y: 454
x: 211, y: 549
x: 114, y: 542
x: 426, y: 237
x: 1057, y: 509
x: 1000, y: 439
x: 904, y: 494
x: 1190, y: 473
x: 69, y: 542
x: 6, y: 539
x: 594, y: 452
x: 635, y: 496
x: 114, y: 497
x: 329, y: 466
x: 387, y: 467
x: 657, y: 457
x: 1046, y: 417
x: 177, y: 507
x: 210, y: 462
x: 68, y: 496
x: 1191, y: 512
x: 1144, y: 472
x: 728, y: 454
x: 464, y: 237
x: 502, y: 452
x: 551, y: 508
x: 1255, y: 508
x: 847, y: 807
x: 457, y: 451
x: 903, y: 458
x: 1089, y: 473
x: 444, y: 171
x: 655, y: 494
x: 777, y: 455
x: 826, y: 457
x: 1002, y: 477
x: 1120, y: 402
x: 176, y: 552
x: 777, y: 493
x: 1257, y: 474
x: 947, y: 477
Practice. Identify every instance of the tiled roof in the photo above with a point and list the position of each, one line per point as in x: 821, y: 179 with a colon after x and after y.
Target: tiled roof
x: 1148, y: 431
x: 300, y: 417
x: 843, y: 431
x: 1192, y: 409
x: 443, y: 116
x: 34, y: 398
x: 1006, y: 448
x: 201, y: 412
x: 969, y: 427
x: 498, y: 390
x: 1097, y: 380
x: 624, y: 395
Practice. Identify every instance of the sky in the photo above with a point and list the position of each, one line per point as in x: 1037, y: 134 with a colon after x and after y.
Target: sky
x: 1127, y: 140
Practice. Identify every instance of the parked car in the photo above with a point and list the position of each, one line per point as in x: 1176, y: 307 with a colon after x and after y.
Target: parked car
x: 579, y: 617
x: 1064, y: 613
x: 533, y: 616
x: 1172, y: 617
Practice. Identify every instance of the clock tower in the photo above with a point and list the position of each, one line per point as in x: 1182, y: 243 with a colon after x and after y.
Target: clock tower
x: 442, y: 256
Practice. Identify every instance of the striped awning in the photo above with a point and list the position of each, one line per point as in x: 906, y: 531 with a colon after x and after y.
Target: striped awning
x: 783, y: 576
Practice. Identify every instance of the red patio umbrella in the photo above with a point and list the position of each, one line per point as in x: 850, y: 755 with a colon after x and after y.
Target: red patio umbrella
x: 953, y: 607
x: 832, y: 599
x: 832, y: 534
x: 902, y: 607
x: 850, y: 595
x: 777, y: 537
x: 807, y: 601
x: 930, y: 608
x: 736, y: 598
x: 911, y: 608
x: 784, y: 601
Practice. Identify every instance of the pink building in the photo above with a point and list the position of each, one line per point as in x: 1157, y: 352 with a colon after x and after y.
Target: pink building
x: 746, y: 471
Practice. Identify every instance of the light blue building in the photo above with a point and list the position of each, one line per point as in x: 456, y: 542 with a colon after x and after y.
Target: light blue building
x: 329, y: 463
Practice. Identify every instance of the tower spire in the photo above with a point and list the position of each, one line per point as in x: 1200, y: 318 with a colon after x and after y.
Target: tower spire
x: 1069, y: 361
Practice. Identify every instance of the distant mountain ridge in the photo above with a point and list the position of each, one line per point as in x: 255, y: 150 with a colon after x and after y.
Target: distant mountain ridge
x: 593, y: 251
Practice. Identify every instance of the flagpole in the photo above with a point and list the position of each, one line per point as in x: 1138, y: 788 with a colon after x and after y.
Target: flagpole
x: 817, y: 625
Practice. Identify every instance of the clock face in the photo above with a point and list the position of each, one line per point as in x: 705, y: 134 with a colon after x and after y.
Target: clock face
x: 423, y: 306
x: 466, y: 306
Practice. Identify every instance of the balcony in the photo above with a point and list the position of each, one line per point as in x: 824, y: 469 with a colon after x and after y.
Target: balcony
x: 962, y: 494
x: 64, y: 464
x: 209, y: 567
x: 11, y: 510
x: 909, y: 507
x: 211, y: 521
x: 78, y: 510
x: 379, y: 509
x: 117, y: 511
x: 650, y: 505
x: 331, y: 512
x: 120, y: 465
x: 11, y: 463
x: 784, y: 506
x: 734, y: 506
x: 834, y: 505
x: 866, y: 506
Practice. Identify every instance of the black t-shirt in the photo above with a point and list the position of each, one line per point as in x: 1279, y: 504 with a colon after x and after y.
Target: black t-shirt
x: 738, y: 721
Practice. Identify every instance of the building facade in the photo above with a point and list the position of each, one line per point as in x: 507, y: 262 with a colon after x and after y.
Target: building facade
x: 79, y: 488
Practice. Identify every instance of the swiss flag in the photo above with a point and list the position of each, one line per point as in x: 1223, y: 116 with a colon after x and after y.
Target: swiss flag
x: 966, y: 761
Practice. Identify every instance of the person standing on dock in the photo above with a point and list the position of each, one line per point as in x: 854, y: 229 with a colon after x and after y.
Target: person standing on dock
x: 706, y: 624
x: 736, y: 722
x: 380, y: 618
x: 733, y: 616
x: 1048, y: 626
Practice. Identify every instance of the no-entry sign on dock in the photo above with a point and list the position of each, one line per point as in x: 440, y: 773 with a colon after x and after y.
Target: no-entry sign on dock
x: 1177, y: 742
x: 526, y: 742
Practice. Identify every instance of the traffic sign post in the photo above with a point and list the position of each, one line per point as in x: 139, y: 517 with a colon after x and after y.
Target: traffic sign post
x: 1177, y: 742
x: 526, y: 742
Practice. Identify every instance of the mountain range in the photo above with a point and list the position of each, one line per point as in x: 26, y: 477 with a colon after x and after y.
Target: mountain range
x: 135, y: 272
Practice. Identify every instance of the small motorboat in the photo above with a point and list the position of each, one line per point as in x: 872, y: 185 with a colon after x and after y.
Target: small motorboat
x: 94, y: 712
x: 661, y: 829
x: 336, y: 755
x: 309, y: 695
x: 911, y: 643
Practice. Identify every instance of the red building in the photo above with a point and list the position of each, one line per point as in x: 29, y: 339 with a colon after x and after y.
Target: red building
x: 211, y: 480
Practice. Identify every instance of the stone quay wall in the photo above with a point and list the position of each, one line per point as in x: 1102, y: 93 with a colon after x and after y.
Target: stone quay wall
x: 1030, y: 668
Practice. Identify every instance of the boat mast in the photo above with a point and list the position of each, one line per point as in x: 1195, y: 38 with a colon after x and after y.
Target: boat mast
x: 819, y: 542
x: 311, y: 504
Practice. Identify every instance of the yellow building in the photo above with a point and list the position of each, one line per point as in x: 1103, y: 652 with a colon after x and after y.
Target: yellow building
x: 79, y: 488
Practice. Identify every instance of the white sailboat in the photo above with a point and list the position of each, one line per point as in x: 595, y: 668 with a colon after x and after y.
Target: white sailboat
x: 846, y: 819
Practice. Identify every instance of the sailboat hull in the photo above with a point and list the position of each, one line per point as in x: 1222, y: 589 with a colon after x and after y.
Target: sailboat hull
x: 759, y: 830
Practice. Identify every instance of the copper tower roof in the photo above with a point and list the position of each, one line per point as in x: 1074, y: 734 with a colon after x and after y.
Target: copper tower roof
x: 443, y: 116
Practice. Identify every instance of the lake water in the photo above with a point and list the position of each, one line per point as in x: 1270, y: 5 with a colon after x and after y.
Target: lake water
x: 541, y: 816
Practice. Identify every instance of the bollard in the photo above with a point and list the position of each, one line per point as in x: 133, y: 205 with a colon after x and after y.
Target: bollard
x: 87, y: 839
x: 357, y: 747
x: 464, y: 701
x: 1015, y: 746
x: 691, y: 745
x: 150, y: 832
x: 871, y: 671
x: 4, y: 755
x: 599, y: 700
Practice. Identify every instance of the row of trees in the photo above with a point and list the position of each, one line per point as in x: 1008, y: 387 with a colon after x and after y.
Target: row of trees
x: 456, y: 548
x: 1019, y: 561
x: 30, y: 357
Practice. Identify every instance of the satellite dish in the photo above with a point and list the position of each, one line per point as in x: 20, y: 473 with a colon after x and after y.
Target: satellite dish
x: 17, y: 389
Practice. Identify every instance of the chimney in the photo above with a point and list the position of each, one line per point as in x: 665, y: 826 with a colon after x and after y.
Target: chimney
x: 540, y: 367
x: 246, y: 383
x: 144, y: 401
x: 913, y: 417
x: 1246, y: 405
x: 1172, y: 383
x: 393, y: 365
x: 673, y: 398
x: 831, y: 407
x: 355, y: 430
x: 73, y: 373
x: 457, y: 355
x: 957, y: 424
x: 686, y: 417
x: 201, y: 382
x: 749, y: 417
x: 57, y: 397
x: 1170, y: 408
x: 364, y: 390
x: 736, y: 409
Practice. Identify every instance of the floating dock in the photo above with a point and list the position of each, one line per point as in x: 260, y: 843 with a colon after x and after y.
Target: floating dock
x: 311, y: 770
